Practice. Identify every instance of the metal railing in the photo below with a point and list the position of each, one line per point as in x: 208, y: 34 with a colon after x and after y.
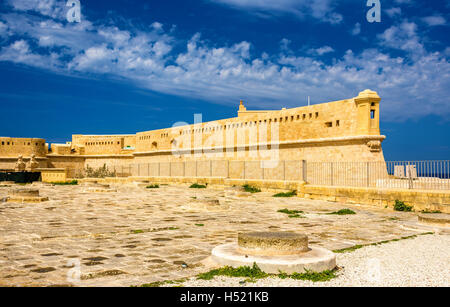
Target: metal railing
x: 424, y: 175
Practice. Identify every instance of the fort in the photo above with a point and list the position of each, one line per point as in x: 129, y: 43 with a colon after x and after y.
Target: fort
x: 345, y: 130
x: 330, y: 151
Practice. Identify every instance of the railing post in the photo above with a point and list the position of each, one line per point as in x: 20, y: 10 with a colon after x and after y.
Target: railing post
x: 170, y: 169
x: 228, y: 169
x: 304, y: 170
x: 332, y: 173
x: 184, y: 168
x: 284, y: 170
x: 210, y: 168
x: 262, y: 167
x: 196, y: 168
x: 410, y: 176
x: 244, y: 170
x: 159, y: 169
x: 368, y: 174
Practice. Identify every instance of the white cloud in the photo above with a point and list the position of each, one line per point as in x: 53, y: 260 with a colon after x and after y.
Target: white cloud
x: 319, y: 9
x: 413, y: 85
x: 357, y: 29
x: 435, y: 20
x: 402, y: 37
x: 393, y: 12
x: 447, y: 51
x: 321, y: 51
x: 52, y: 8
x: 20, y: 52
x: 3, y: 29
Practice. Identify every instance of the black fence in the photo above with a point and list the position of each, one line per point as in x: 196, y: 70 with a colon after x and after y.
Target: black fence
x: 20, y: 177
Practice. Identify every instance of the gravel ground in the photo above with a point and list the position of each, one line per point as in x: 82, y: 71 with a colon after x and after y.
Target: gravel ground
x: 422, y: 261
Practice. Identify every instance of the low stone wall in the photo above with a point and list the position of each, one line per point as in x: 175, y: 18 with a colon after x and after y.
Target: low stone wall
x: 265, y: 185
x: 419, y: 199
x: 53, y: 174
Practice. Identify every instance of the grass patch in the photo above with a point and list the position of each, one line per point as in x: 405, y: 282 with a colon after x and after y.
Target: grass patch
x: 353, y: 248
x: 173, y: 228
x: 287, y: 211
x: 243, y: 271
x: 153, y: 186
x: 429, y: 212
x: 312, y: 276
x: 343, y: 212
x: 197, y: 186
x: 200, y: 225
x: 296, y: 216
x: 254, y: 273
x: 161, y: 283
x: 401, y: 206
x: 292, y: 213
x: 249, y: 188
x: 137, y: 231
x: 287, y: 194
x: 73, y: 182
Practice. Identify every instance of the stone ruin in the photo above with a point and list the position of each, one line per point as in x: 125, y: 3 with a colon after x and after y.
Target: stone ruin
x: 25, y: 195
x: 274, y: 252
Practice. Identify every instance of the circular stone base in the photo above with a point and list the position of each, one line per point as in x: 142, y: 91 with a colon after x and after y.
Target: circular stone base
x: 317, y: 259
x: 272, y: 243
x: 435, y: 219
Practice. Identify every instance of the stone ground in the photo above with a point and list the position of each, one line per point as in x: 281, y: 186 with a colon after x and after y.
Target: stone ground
x: 136, y: 235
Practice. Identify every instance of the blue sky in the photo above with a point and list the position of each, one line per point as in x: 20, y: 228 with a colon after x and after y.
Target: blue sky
x: 132, y: 66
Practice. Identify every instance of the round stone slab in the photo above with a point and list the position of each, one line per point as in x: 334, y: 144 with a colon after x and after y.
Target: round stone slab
x: 437, y: 219
x: 317, y: 259
x: 272, y: 243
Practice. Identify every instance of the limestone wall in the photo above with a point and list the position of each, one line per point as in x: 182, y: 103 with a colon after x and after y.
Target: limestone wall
x: 13, y: 147
x: 104, y: 144
x: 420, y: 200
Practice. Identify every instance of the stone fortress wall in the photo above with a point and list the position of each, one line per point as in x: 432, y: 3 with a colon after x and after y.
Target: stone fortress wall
x: 12, y: 148
x: 345, y: 130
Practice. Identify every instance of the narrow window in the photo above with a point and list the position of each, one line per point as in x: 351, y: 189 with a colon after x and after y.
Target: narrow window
x: 337, y: 123
x: 317, y: 114
x: 329, y: 124
x: 372, y: 114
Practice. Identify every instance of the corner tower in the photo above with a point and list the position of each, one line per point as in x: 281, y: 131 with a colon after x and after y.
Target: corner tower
x: 368, y: 113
